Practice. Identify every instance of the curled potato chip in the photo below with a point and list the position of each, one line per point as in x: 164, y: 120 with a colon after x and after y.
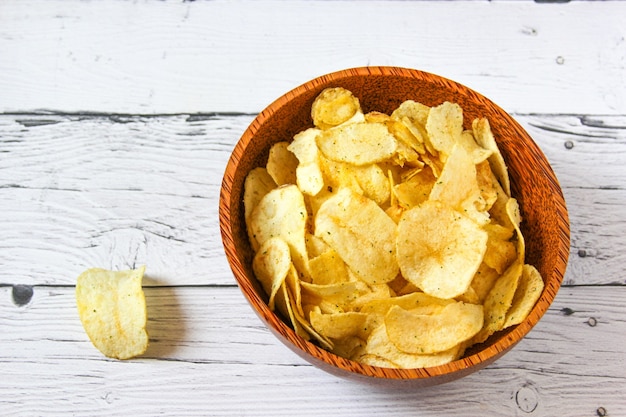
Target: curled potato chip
x: 431, y: 333
x: 334, y: 106
x: 282, y: 164
x: 258, y: 183
x: 526, y: 295
x: 282, y: 213
x: 439, y: 250
x: 271, y: 265
x: 484, y: 137
x: 309, y: 176
x: 112, y: 309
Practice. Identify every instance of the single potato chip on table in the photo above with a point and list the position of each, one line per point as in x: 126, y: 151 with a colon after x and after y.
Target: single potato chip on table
x: 112, y: 309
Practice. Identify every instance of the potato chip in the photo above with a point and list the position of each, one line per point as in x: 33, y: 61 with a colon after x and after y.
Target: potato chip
x: 361, y: 233
x: 334, y: 106
x: 379, y: 345
x: 528, y: 291
x: 341, y: 325
x: 328, y: 268
x: 431, y: 333
x: 309, y: 176
x: 484, y: 137
x: 439, y: 249
x: 282, y: 164
x: 498, y: 301
x: 457, y: 186
x: 258, y: 183
x: 282, y: 213
x: 445, y: 127
x: 416, y: 189
x: 112, y: 309
x: 271, y: 265
x: 357, y: 143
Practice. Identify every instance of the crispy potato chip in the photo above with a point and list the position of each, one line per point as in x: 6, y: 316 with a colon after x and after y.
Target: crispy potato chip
x: 358, y: 143
x: 309, y: 176
x: 483, y: 281
x: 361, y: 233
x: 477, y: 153
x: 379, y: 345
x: 374, y: 183
x: 416, y: 189
x: 418, y: 302
x: 431, y: 333
x: 334, y: 106
x: 457, y: 186
x: 341, y: 325
x: 112, y: 309
x: 328, y: 268
x: 499, y: 301
x: 484, y: 137
x: 439, y: 250
x: 282, y: 164
x: 282, y: 213
x: 258, y: 183
x: 271, y: 265
x: 526, y: 295
x: 341, y: 294
x: 445, y: 127
x: 500, y: 251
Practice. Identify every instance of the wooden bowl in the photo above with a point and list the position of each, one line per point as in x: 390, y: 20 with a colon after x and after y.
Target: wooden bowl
x: 533, y: 183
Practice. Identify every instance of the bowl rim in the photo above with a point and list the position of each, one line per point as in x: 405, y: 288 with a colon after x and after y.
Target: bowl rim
x: 343, y: 366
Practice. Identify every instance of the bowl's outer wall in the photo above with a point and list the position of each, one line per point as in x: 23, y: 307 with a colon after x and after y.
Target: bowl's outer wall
x: 545, y: 221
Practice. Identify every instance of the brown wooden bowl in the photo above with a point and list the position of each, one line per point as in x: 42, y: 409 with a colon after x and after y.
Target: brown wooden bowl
x: 533, y: 183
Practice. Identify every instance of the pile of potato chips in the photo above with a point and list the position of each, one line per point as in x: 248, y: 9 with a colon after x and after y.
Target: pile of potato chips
x: 391, y: 240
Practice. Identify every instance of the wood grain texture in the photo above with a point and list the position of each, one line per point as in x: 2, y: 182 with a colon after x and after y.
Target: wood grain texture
x: 208, y: 344
x: 177, y: 57
x: 126, y: 190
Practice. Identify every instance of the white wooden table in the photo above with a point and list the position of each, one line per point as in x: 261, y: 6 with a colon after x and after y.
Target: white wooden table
x: 116, y: 122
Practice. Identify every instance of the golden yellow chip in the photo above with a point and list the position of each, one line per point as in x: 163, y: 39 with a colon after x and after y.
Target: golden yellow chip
x: 282, y: 213
x: 432, y: 333
x: 271, y: 265
x: 526, y: 295
x: 328, y: 268
x: 308, y: 171
x: 445, y: 127
x: 358, y: 143
x: 282, y: 164
x: 341, y: 325
x: 112, y: 309
x: 258, y: 183
x: 334, y: 106
x: 457, y: 186
x: 484, y: 137
x: 361, y: 233
x: 439, y: 249
x: 379, y: 346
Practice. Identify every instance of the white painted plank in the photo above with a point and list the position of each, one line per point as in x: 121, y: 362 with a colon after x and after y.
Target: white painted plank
x: 144, y: 190
x: 210, y: 355
x: 175, y: 57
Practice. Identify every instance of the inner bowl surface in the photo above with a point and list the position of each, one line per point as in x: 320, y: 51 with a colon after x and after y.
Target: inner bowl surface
x: 545, y: 223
